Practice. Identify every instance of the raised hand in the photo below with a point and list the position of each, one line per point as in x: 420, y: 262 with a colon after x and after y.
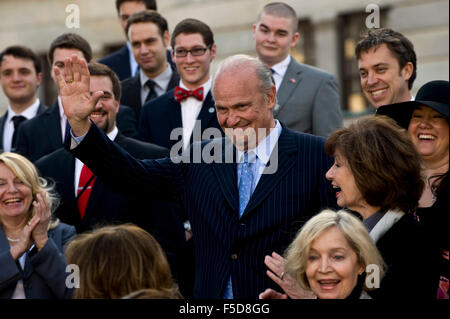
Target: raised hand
x: 42, y: 212
x: 289, y: 285
x: 25, y: 240
x: 76, y: 98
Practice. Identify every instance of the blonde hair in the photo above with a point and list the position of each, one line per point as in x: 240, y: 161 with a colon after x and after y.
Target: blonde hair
x: 117, y: 260
x: 27, y: 173
x: 353, y: 230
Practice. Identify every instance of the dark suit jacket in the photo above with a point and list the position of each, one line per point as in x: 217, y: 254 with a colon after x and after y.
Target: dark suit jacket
x: 126, y: 121
x: 41, y: 135
x: 41, y: 109
x: 131, y: 91
x: 163, y: 114
x: 408, y: 258
x: 106, y: 206
x: 103, y: 205
x: 224, y: 244
x: 119, y: 62
x: 44, y: 274
x: 308, y: 100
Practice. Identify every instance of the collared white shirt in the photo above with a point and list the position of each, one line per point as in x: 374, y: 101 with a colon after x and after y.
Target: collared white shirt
x: 263, y: 151
x: 62, y: 119
x: 133, y: 64
x: 279, y: 71
x: 19, y: 291
x: 79, y: 164
x: 190, y: 109
x: 162, y: 82
x: 8, y: 130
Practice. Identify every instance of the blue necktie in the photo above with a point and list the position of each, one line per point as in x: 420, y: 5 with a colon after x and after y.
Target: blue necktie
x: 245, y: 191
x: 246, y: 181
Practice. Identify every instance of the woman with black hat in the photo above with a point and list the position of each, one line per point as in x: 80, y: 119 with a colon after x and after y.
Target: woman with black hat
x: 427, y: 121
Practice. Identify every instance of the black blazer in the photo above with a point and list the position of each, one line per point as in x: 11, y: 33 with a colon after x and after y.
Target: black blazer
x: 224, y: 244
x: 106, y: 206
x: 41, y: 135
x: 119, y: 62
x: 131, y: 91
x: 41, y: 109
x: 126, y: 121
x: 103, y: 205
x: 405, y: 250
x: 163, y: 114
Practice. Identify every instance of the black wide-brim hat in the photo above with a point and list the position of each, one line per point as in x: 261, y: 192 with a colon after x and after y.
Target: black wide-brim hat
x: 433, y: 94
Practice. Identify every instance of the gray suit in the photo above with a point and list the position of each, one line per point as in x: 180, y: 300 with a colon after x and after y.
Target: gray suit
x: 308, y: 100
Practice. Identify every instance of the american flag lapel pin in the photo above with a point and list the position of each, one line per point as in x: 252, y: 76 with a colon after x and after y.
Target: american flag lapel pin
x: 292, y: 80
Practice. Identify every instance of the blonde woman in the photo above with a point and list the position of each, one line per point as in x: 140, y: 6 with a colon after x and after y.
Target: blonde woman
x: 31, y: 243
x: 330, y: 254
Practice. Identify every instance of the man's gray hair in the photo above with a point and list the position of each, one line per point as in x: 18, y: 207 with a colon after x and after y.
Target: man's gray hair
x: 238, y: 62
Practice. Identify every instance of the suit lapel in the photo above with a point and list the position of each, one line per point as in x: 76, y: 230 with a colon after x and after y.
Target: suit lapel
x: 207, y: 113
x: 2, y: 127
x: 52, y: 125
x: 282, y: 153
x: 174, y: 80
x: 291, y: 80
x: 174, y: 113
x: 41, y: 109
x: 226, y: 174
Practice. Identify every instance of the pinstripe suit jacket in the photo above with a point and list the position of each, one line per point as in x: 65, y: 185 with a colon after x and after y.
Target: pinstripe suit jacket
x: 226, y: 245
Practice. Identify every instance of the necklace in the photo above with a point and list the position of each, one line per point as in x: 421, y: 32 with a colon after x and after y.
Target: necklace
x: 13, y: 240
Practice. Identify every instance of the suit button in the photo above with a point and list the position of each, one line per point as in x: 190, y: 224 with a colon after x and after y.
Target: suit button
x: 234, y: 256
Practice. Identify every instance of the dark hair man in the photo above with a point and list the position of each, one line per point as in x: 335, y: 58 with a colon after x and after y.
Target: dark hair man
x: 20, y: 77
x: 148, y: 34
x: 122, y: 61
x: 387, y: 66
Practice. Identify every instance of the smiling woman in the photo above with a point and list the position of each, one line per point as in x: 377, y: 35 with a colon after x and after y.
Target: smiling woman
x: 427, y: 121
x: 377, y: 174
x: 28, y: 235
x: 330, y: 254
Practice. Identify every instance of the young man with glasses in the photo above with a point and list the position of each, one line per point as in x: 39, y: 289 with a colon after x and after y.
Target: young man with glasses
x: 191, y: 102
x: 149, y: 37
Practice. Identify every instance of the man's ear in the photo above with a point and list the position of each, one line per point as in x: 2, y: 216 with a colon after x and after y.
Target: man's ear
x: 407, y: 71
x: 39, y: 77
x: 166, y: 38
x: 272, y: 98
x: 295, y: 38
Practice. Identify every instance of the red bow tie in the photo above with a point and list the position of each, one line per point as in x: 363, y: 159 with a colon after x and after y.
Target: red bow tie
x: 182, y: 94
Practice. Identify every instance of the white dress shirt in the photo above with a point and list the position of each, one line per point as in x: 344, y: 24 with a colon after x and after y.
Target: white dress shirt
x: 279, y: 70
x: 161, y: 83
x: 133, y: 64
x: 190, y: 109
x: 8, y: 130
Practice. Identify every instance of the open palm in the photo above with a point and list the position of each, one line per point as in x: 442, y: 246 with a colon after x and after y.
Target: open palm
x: 76, y: 98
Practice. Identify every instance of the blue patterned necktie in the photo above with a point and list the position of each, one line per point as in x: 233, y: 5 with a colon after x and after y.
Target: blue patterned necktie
x: 246, y: 181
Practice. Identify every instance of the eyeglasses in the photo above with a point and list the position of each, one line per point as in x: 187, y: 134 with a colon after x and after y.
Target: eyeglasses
x: 181, y: 53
